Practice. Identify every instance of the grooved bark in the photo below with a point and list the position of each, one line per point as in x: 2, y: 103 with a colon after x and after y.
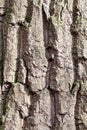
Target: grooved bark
x: 43, y: 65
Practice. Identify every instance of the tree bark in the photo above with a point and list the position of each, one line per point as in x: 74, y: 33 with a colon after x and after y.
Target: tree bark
x: 43, y: 65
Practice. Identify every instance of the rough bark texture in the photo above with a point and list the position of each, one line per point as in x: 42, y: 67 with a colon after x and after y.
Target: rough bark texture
x: 43, y: 64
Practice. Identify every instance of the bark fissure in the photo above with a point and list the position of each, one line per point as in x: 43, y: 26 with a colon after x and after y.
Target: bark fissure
x: 43, y: 64
x: 79, y: 60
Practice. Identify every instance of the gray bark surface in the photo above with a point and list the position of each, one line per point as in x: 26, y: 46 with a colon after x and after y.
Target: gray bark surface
x: 43, y: 65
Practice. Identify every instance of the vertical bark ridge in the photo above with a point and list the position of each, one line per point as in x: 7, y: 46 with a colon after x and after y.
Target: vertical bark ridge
x: 9, y: 48
x: 55, y: 67
x: 79, y: 60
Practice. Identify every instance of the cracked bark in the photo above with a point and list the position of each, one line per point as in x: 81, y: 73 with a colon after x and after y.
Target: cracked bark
x: 43, y: 65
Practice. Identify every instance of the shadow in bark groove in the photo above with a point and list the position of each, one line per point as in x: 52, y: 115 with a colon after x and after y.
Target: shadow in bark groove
x: 77, y: 109
x: 29, y: 12
x: 29, y: 122
x: 77, y: 53
x: 75, y: 36
x: 4, y: 31
x: 22, y: 42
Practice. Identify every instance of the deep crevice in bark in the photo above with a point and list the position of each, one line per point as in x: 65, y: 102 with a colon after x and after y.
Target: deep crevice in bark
x: 29, y: 12
x: 77, y: 109
x: 77, y: 54
x: 22, y: 41
x: 3, y: 30
x: 5, y: 93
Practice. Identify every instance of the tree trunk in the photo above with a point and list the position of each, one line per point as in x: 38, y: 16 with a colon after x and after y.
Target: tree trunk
x: 43, y: 64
